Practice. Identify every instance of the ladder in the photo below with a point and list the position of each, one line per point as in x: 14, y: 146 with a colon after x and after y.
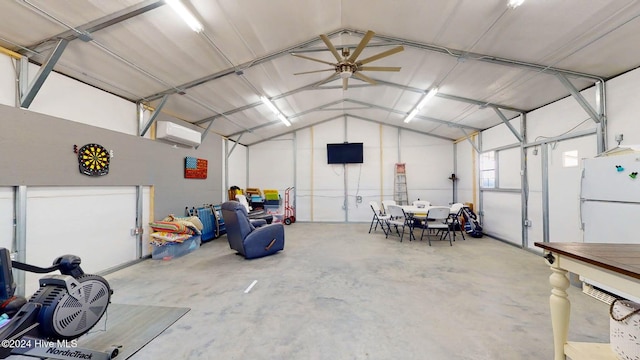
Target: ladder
x: 400, y: 194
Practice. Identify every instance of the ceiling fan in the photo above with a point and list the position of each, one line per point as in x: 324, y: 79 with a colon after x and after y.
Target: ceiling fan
x: 348, y: 64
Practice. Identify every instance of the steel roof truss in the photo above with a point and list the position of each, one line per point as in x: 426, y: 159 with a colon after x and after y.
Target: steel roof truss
x: 506, y: 122
x: 579, y: 98
x: 154, y: 115
x: 444, y: 122
x: 84, y: 31
x: 46, y: 68
x: 470, y: 142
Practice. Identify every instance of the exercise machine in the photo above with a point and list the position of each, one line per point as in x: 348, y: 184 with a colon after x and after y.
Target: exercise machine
x: 65, y: 307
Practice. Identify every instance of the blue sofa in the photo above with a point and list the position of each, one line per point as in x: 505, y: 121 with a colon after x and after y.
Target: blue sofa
x: 248, y: 240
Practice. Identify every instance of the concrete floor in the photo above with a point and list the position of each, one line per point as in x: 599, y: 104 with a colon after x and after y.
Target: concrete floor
x: 338, y: 292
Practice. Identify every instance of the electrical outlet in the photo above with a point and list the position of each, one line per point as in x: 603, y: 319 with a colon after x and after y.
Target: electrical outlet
x: 359, y: 199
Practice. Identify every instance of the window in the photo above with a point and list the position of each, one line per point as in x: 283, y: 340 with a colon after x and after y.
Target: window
x: 488, y: 169
x: 570, y: 158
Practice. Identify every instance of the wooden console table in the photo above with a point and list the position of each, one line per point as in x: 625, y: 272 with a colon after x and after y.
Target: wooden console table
x: 614, y: 265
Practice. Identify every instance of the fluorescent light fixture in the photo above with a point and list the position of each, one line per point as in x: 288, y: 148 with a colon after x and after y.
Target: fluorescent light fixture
x: 422, y: 102
x: 185, y: 14
x: 411, y: 115
x: 270, y: 105
x: 514, y: 3
x: 275, y: 110
x: 284, y: 119
x: 427, y: 97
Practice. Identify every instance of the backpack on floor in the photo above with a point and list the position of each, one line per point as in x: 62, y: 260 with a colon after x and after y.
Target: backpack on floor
x: 471, y: 225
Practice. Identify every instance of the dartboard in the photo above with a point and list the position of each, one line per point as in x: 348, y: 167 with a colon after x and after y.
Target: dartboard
x: 93, y: 160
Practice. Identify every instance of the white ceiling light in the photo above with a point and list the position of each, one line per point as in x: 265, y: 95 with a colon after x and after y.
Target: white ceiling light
x: 185, y: 14
x: 428, y: 97
x: 284, y: 119
x: 515, y: 3
x: 275, y: 110
x: 421, y: 104
x: 269, y: 105
x: 411, y: 115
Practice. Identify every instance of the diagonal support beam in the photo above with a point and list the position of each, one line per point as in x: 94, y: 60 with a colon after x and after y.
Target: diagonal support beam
x: 470, y: 142
x: 205, y: 133
x: 579, y: 98
x: 506, y: 122
x: 43, y: 73
x: 237, y: 141
x: 155, y: 114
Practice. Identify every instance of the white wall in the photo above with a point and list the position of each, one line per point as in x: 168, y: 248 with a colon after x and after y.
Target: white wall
x: 429, y: 165
x: 330, y: 192
x: 270, y: 164
x: 69, y: 99
x: 623, y: 108
x: 94, y: 223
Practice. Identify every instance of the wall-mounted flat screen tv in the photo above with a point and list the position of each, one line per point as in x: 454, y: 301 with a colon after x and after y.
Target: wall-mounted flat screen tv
x: 344, y: 153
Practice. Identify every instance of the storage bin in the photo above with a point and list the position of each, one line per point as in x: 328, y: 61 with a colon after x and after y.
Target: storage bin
x: 173, y: 250
x: 256, y: 198
x: 271, y: 195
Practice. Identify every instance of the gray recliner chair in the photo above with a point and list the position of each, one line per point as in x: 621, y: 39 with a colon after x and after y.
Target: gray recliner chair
x: 249, y: 241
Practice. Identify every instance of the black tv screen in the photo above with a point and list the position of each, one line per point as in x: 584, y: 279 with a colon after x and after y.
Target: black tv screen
x: 344, y: 153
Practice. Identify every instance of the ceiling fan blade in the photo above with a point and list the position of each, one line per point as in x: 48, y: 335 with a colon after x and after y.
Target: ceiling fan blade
x: 314, y: 71
x: 379, y: 68
x: 365, y: 40
x: 345, y: 83
x: 364, y: 78
x: 314, y: 59
x: 381, y: 55
x: 330, y: 78
x: 327, y: 42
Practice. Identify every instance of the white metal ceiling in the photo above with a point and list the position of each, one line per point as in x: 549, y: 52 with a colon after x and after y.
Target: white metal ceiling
x: 476, y: 52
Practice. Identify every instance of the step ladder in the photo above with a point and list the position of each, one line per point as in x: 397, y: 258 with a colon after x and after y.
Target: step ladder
x: 400, y: 194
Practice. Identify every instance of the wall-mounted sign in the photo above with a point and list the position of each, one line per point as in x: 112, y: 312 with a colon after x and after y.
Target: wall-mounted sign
x: 195, y: 168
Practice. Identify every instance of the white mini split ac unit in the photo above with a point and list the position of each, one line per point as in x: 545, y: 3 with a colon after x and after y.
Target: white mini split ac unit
x: 173, y: 132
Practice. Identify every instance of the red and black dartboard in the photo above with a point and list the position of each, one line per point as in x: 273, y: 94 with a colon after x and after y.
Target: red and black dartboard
x: 94, y: 160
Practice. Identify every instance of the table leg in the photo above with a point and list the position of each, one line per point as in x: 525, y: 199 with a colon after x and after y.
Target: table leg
x: 560, y: 310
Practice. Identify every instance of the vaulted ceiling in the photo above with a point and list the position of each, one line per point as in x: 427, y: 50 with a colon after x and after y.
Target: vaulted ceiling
x: 489, y: 61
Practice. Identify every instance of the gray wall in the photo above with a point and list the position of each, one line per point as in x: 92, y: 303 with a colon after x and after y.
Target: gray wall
x: 37, y: 150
